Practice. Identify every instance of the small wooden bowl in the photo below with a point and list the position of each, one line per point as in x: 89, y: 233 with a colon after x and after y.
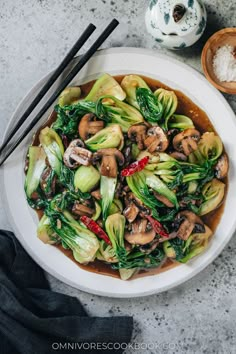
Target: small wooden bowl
x: 219, y: 39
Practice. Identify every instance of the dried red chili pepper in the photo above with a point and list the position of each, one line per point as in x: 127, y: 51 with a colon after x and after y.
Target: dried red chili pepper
x: 94, y: 227
x: 134, y: 167
x: 157, y: 226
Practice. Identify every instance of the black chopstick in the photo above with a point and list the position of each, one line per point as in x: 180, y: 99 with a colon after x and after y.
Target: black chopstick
x: 78, y: 45
x: 83, y: 60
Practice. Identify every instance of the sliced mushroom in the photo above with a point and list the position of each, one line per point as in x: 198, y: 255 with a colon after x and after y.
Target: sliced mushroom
x: 222, y: 167
x: 139, y: 234
x: 96, y: 194
x: 75, y: 155
x: 186, y: 141
x: 131, y: 211
x: 156, y: 140
x: 178, y: 156
x: 137, y: 134
x: 187, y: 223
x: 109, y: 157
x: 131, y: 198
x: 163, y: 199
x: 139, y: 225
x: 89, y: 125
x: 141, y: 238
x: 81, y: 209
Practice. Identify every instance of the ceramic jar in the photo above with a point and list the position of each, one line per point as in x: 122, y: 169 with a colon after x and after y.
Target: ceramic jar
x: 176, y: 24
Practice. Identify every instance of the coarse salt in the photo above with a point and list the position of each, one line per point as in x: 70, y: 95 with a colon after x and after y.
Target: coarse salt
x: 224, y: 63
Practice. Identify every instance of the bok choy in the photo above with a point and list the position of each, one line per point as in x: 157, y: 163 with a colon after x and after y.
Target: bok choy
x: 83, y: 243
x: 118, y: 112
x: 213, y: 194
x: 115, y: 227
x: 37, y: 164
x: 183, y: 251
x: 53, y: 147
x: 105, y: 85
x: 179, y: 121
x: 150, y: 107
x: 159, y: 186
x: 130, y: 83
x: 109, y: 137
x: 69, y: 96
x: 86, y: 178
x: 169, y: 102
x: 107, y: 190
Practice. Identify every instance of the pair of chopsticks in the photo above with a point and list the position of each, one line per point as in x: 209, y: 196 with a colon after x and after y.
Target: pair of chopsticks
x: 7, y: 148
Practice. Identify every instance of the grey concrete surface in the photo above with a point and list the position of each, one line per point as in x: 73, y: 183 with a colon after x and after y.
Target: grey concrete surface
x: 198, y: 316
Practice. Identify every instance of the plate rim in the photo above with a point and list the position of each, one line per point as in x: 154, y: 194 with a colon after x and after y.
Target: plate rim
x: 56, y: 274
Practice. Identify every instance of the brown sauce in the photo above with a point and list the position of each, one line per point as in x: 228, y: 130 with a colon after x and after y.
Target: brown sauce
x: 201, y: 121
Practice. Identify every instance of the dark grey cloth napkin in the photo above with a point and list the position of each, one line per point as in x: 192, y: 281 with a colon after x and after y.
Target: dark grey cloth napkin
x: 34, y: 319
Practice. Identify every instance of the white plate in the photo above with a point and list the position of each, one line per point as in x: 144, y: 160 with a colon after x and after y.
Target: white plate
x: 24, y: 220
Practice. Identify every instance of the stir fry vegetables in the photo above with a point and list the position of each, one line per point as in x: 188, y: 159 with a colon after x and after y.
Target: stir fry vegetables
x: 125, y: 178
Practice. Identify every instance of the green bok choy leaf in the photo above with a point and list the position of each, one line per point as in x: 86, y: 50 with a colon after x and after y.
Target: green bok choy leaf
x: 210, y: 148
x: 109, y: 137
x: 138, y: 260
x: 69, y: 96
x: 130, y: 83
x: 182, y: 250
x: 179, y: 121
x: 116, y: 111
x: 159, y: 186
x: 105, y: 85
x: 107, y: 190
x: 45, y: 232
x: 83, y: 243
x: 106, y: 253
x: 137, y: 184
x: 53, y: 147
x: 115, y: 227
x: 169, y: 102
x: 86, y: 178
x: 37, y: 164
x: 213, y: 194
x: 150, y: 107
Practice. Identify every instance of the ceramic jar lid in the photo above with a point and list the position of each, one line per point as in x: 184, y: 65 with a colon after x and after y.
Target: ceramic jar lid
x: 176, y: 24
